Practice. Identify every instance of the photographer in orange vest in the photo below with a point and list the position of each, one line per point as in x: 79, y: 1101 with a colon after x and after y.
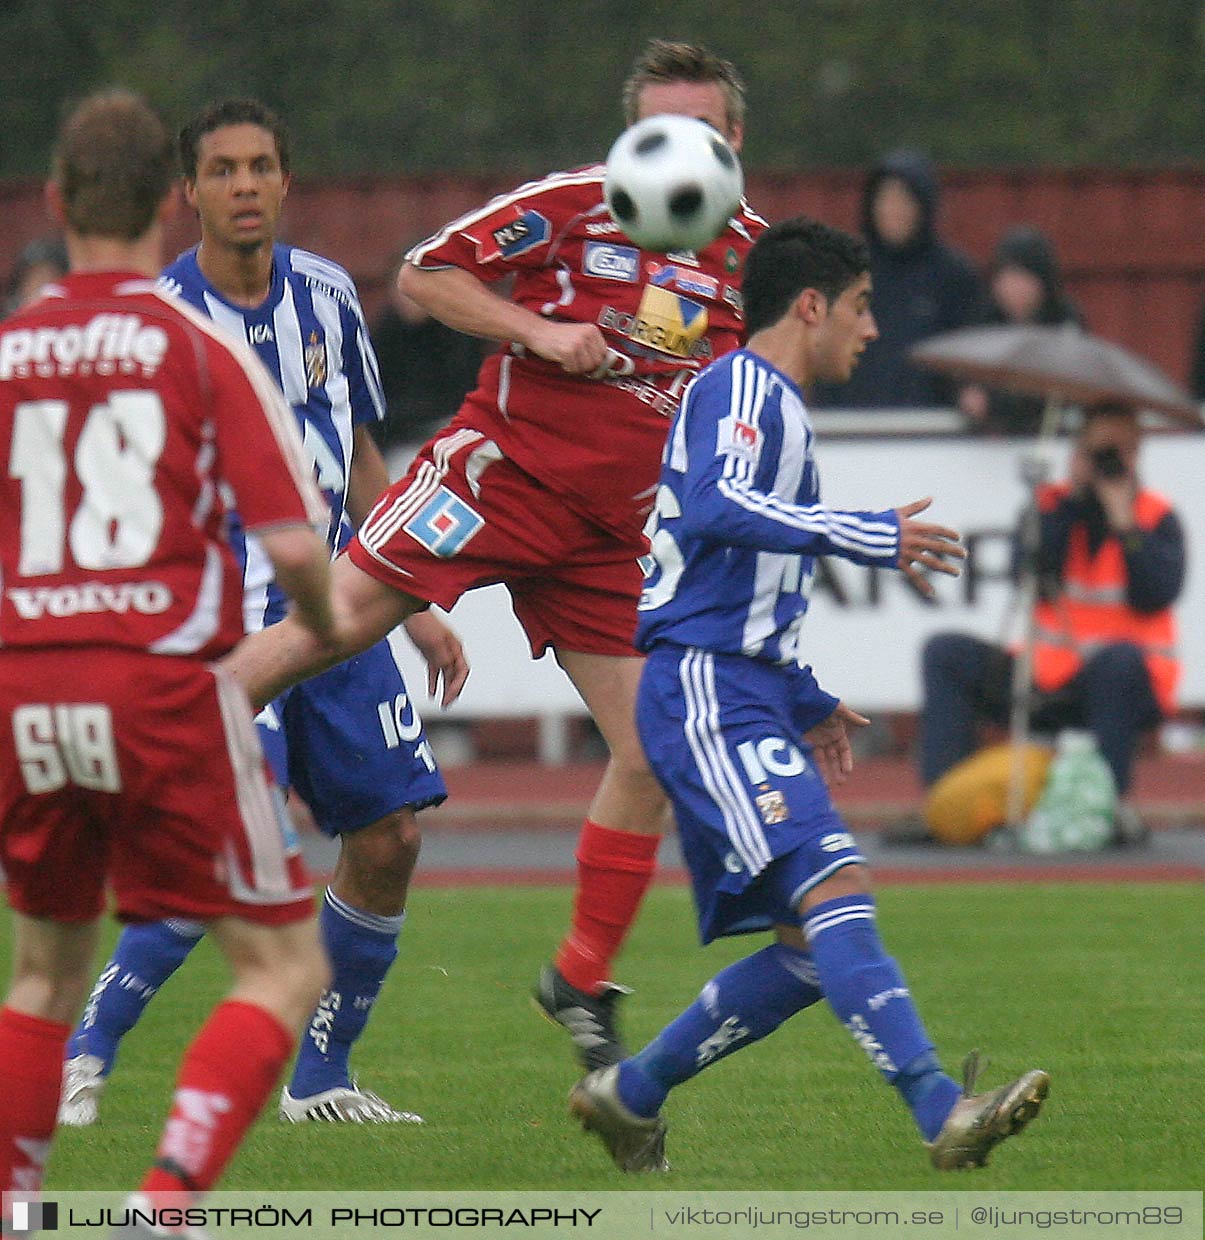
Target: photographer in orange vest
x: 1110, y: 565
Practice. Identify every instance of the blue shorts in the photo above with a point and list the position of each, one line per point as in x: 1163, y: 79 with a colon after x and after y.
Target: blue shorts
x: 351, y: 743
x: 755, y: 821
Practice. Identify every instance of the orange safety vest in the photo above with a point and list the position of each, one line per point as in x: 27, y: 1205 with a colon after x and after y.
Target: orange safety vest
x: 1092, y: 611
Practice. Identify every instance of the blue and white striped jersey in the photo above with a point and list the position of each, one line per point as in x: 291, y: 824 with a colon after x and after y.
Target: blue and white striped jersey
x: 738, y: 523
x: 310, y: 333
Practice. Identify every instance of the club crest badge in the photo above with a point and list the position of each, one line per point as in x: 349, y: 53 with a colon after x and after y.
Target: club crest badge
x: 773, y: 807
x: 315, y: 361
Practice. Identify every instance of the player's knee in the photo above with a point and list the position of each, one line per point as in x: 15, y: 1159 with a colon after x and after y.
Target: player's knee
x: 849, y: 880
x: 388, y: 847
x: 52, y: 973
x: 638, y: 787
x: 628, y: 760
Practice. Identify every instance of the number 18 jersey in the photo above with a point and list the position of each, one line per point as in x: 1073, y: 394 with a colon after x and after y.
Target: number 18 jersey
x: 125, y: 417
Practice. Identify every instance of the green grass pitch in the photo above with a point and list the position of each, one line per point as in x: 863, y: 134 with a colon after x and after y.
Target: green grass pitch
x: 1104, y: 986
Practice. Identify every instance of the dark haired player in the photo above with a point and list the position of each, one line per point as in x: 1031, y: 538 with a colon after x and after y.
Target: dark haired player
x: 736, y: 727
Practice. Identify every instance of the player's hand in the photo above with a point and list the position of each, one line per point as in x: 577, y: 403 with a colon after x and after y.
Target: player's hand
x: 830, y: 743
x: 925, y: 546
x: 443, y: 652
x: 577, y: 348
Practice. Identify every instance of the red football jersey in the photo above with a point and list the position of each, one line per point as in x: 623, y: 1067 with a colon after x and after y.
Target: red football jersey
x: 597, y: 443
x: 124, y: 417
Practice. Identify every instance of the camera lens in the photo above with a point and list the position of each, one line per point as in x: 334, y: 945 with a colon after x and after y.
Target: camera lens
x: 1107, y: 462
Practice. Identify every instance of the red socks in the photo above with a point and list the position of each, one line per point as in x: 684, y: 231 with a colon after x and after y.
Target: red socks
x: 614, y: 870
x: 224, y: 1081
x: 31, y: 1078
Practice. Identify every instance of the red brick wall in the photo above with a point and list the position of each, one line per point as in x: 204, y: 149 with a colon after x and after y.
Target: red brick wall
x: 1132, y: 243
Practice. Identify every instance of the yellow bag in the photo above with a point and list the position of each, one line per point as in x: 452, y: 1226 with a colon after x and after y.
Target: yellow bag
x: 971, y: 799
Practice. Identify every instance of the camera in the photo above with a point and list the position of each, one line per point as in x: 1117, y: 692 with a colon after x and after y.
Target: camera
x: 1107, y: 463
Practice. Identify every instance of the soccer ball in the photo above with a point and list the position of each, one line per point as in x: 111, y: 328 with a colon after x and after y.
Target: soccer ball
x: 672, y: 183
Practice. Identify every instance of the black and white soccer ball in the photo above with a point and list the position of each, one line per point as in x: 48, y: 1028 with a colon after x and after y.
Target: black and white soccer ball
x: 672, y: 183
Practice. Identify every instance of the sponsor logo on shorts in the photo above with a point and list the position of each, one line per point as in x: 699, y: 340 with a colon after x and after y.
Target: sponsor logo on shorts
x: 839, y: 841
x: 611, y: 262
x: 444, y: 524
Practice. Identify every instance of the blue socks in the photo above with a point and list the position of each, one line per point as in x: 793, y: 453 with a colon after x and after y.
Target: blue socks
x: 867, y: 991
x: 362, y: 946
x: 146, y: 955
x: 738, y: 1007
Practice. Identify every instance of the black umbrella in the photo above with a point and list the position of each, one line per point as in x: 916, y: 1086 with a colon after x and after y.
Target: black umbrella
x: 1063, y: 363
x: 1066, y: 365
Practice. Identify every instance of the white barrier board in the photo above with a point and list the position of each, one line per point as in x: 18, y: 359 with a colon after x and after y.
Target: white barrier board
x: 865, y: 628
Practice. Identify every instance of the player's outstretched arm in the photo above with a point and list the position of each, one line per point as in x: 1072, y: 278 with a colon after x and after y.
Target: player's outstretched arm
x: 365, y: 609
x: 444, y: 653
x: 723, y: 505
x: 926, y: 546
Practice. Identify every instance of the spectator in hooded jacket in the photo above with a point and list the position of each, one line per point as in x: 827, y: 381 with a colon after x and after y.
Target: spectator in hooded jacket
x: 1025, y: 287
x: 920, y: 287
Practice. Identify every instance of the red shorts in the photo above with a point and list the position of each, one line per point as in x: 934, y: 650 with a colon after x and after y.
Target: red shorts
x: 143, y: 771
x: 464, y: 516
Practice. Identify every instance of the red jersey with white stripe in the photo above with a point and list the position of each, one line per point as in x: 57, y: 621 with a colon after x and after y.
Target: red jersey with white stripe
x: 124, y: 417
x: 596, y: 443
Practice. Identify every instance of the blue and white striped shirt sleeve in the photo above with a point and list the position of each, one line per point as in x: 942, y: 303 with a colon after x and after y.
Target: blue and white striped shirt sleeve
x: 734, y: 436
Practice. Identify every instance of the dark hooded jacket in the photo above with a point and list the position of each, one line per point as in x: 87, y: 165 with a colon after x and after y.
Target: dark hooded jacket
x: 1029, y: 249
x: 919, y: 289
x: 1013, y: 413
